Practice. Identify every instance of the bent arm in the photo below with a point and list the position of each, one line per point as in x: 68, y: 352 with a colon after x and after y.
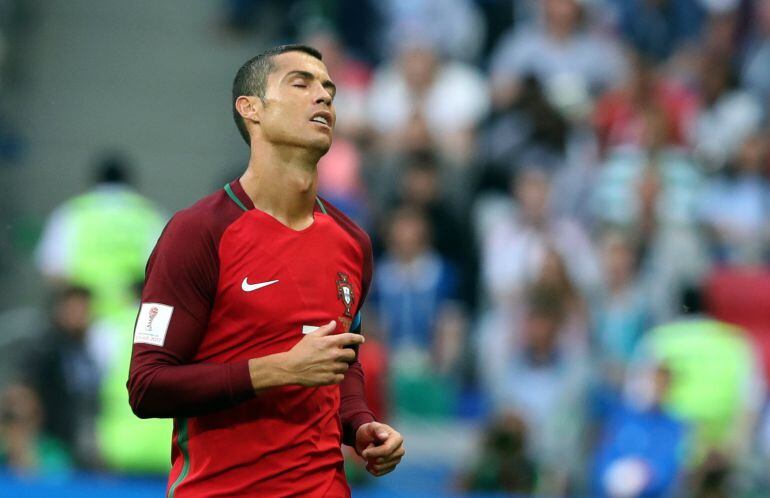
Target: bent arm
x: 160, y: 385
x: 180, y: 286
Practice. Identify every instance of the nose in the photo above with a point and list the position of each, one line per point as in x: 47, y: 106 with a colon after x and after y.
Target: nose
x: 323, y: 96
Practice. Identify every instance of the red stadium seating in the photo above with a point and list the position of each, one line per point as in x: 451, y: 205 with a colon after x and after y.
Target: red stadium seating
x: 742, y: 296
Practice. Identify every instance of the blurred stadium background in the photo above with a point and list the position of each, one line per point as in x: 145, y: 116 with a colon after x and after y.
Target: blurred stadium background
x: 569, y: 202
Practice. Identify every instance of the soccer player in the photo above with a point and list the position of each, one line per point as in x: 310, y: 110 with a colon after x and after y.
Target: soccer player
x: 248, y: 329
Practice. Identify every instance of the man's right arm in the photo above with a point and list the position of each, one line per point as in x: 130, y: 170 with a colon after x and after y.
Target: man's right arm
x: 179, y: 290
x: 163, y: 387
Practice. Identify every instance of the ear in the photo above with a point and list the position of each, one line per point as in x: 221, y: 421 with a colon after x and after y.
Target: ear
x: 249, y: 107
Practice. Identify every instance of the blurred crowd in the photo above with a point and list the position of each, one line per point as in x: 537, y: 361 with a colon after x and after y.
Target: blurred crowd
x: 569, y: 202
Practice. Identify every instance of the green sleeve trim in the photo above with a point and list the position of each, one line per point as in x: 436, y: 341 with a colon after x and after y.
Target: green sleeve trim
x: 235, y: 199
x: 181, y: 441
x: 321, y: 205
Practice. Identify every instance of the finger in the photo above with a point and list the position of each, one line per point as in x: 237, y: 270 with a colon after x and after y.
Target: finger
x: 379, y: 472
x: 325, y: 329
x: 336, y: 378
x: 346, y: 355
x: 381, y: 432
x: 346, y: 339
x: 340, y: 367
x: 385, y: 450
x: 387, y: 466
x: 396, y: 455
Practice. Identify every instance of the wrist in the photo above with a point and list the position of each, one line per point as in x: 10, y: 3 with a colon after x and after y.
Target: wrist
x: 270, y: 371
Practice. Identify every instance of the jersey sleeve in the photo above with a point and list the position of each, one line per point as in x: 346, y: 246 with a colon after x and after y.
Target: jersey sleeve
x: 179, y: 291
x: 354, y: 411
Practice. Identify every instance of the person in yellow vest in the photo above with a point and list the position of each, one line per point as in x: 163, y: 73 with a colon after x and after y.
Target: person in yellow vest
x: 127, y: 444
x: 101, y: 239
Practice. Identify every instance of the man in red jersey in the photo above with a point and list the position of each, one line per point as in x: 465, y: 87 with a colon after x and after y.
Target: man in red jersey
x: 250, y: 317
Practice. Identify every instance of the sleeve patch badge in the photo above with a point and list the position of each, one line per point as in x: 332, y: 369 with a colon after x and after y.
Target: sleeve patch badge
x: 152, y: 324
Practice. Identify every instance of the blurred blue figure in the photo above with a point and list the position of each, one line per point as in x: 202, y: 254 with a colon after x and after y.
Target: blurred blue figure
x: 657, y: 28
x: 640, y: 453
x: 415, y: 294
x: 413, y: 285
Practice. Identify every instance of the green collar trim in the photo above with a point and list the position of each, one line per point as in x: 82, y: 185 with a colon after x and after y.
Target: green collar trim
x: 321, y: 205
x: 235, y: 199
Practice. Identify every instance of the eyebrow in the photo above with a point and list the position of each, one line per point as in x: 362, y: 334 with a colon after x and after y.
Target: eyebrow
x: 328, y: 84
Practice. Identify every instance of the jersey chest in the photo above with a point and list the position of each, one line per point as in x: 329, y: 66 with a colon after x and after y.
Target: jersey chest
x: 276, y: 284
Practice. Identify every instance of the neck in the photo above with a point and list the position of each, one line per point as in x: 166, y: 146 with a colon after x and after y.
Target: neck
x: 282, y: 182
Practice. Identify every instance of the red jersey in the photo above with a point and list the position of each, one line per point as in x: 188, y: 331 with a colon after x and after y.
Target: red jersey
x: 227, y: 283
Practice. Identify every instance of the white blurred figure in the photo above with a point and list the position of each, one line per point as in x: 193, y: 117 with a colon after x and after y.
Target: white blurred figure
x: 421, y: 99
x: 735, y: 207
x: 561, y: 51
x: 530, y: 366
x: 727, y: 114
x: 515, y: 242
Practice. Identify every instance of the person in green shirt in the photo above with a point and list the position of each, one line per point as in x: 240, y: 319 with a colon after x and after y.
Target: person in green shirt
x: 101, y: 239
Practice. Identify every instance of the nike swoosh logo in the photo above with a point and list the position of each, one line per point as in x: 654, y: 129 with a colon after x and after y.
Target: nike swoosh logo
x: 247, y: 287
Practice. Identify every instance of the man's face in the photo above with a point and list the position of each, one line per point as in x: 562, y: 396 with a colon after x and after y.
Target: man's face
x: 298, y: 108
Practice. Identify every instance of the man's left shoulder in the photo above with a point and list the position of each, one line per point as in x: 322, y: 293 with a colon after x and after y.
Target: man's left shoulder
x: 358, y: 234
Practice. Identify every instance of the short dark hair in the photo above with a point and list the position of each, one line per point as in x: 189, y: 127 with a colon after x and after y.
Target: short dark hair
x: 251, y: 78
x: 113, y: 167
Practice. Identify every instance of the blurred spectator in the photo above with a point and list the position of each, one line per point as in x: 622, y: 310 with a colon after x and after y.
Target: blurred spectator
x: 736, y: 206
x: 756, y: 67
x: 657, y: 27
x: 642, y: 445
x: 514, y: 243
x: 727, y: 114
x: 724, y: 32
x: 415, y: 292
x: 66, y: 374
x: 420, y: 99
x: 24, y: 448
x: 538, y: 372
x: 421, y: 185
x: 620, y: 309
x: 503, y: 463
x: 101, y: 239
x: 456, y: 26
x: 570, y: 61
x: 653, y: 190
x: 620, y: 113
x: 530, y: 123
x: 555, y: 280
x: 415, y: 289
x: 126, y: 443
x: 716, y: 381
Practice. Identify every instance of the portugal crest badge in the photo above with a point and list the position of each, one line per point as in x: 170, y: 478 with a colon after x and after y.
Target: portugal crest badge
x: 345, y: 292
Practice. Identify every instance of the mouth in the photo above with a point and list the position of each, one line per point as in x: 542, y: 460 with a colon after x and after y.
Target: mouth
x: 323, y: 118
